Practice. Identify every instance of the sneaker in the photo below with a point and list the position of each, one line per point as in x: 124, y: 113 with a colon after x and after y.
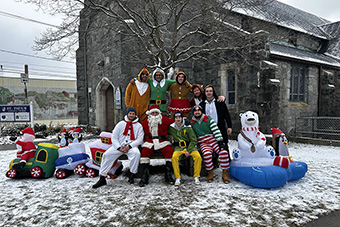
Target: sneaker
x: 178, y: 181
x: 197, y: 180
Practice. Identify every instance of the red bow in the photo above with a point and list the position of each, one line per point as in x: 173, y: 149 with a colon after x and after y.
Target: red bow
x: 127, y: 126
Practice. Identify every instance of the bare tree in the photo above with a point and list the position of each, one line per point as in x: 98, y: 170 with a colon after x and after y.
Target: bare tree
x: 169, y: 31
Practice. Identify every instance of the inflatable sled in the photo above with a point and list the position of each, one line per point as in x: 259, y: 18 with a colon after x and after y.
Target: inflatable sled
x: 69, y: 158
x: 255, y: 164
x: 41, y: 166
x: 91, y: 168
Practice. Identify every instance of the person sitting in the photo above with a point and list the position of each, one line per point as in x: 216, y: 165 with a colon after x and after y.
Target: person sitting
x: 126, y: 137
x: 156, y: 130
x: 210, y: 140
x: 185, y: 144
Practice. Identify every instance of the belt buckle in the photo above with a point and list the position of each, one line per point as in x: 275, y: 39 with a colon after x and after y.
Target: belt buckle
x: 158, y: 102
x: 182, y: 144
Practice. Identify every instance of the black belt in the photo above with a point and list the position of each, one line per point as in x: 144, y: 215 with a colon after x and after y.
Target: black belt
x: 156, y: 137
x: 181, y: 143
x: 158, y: 102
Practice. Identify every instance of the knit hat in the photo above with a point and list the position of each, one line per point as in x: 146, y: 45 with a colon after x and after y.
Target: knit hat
x: 156, y: 71
x: 28, y: 131
x: 153, y: 108
x: 197, y: 107
x: 178, y: 114
x: 131, y: 109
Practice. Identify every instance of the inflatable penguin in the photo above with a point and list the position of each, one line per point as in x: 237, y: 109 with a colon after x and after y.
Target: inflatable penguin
x: 63, y: 138
x: 279, y: 142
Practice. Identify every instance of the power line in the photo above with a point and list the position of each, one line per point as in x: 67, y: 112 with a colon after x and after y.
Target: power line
x: 26, y: 19
x: 39, y: 74
x: 45, y: 66
x: 33, y: 56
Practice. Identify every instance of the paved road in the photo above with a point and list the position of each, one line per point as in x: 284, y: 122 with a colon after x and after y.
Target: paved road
x: 329, y: 220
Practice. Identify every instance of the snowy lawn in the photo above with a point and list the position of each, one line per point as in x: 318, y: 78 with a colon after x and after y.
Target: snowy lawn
x: 72, y: 201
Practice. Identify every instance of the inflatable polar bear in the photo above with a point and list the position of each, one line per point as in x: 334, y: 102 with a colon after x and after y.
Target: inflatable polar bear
x: 252, y: 149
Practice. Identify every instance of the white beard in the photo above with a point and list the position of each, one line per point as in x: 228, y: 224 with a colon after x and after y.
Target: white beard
x: 153, y: 122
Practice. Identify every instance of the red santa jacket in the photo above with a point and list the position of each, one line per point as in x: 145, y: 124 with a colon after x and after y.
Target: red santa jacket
x: 157, y: 139
x: 28, y: 150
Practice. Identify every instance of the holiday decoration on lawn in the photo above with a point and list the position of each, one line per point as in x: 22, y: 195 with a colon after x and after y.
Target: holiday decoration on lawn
x: 91, y: 167
x: 40, y: 166
x: 255, y: 164
x: 279, y: 142
x: 63, y: 138
x: 69, y: 158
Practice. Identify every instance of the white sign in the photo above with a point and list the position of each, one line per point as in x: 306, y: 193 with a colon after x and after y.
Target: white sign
x: 7, y: 117
x: 24, y: 77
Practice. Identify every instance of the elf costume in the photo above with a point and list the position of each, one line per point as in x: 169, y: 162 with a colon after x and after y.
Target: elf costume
x: 184, y: 141
x: 180, y: 97
x: 210, y: 140
x: 158, y: 91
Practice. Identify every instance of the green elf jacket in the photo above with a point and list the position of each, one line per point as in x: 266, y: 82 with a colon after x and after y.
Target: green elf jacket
x: 187, y: 134
x: 158, y: 93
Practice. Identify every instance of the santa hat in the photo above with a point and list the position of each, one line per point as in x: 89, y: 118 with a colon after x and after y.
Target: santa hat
x: 276, y: 131
x: 153, y: 108
x: 28, y: 131
x: 77, y: 130
x: 63, y: 131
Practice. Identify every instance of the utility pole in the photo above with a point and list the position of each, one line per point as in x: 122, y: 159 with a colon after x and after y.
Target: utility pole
x: 24, y: 79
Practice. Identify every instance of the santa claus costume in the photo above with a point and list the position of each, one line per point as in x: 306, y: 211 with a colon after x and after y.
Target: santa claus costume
x: 155, y: 138
x: 26, y: 147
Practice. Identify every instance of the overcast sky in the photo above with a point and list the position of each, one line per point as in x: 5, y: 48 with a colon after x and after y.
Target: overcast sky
x: 17, y: 35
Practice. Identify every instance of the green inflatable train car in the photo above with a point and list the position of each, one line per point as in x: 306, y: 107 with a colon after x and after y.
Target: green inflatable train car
x: 41, y: 166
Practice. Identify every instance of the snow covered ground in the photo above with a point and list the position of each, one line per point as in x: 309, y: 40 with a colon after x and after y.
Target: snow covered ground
x: 72, y: 201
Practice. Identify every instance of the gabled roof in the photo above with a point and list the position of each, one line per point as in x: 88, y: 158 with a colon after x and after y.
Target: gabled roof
x: 333, y: 30
x: 302, y: 55
x: 287, y: 16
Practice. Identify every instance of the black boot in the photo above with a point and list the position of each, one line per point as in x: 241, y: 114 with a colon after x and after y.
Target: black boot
x: 19, y: 165
x: 168, y: 173
x: 145, y: 174
x: 101, y: 182
x: 131, y: 178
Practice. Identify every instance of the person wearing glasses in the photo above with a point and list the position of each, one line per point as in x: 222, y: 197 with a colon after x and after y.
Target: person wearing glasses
x: 137, y: 94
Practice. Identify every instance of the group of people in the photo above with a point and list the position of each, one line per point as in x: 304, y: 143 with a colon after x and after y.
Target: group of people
x: 147, y: 126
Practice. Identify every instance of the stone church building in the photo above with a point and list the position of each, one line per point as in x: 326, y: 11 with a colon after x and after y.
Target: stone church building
x: 299, y: 74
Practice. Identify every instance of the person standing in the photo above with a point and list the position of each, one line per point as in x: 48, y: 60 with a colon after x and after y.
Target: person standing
x: 126, y: 137
x: 180, y: 96
x: 159, y: 86
x: 210, y: 140
x: 185, y: 144
x: 217, y: 111
x: 156, y: 130
x: 137, y: 94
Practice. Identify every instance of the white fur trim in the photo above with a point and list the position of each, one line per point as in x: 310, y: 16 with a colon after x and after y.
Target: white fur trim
x: 144, y: 160
x: 141, y: 87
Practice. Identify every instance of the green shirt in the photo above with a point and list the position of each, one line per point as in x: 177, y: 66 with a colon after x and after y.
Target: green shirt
x: 186, y: 133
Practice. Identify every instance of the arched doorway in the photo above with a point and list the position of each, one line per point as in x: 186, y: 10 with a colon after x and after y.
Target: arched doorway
x: 105, y: 112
